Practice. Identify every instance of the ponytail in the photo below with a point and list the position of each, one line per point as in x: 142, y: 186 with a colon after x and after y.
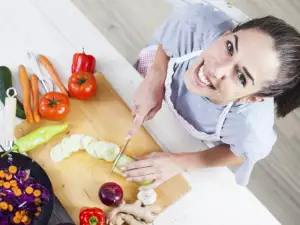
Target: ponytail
x: 288, y: 101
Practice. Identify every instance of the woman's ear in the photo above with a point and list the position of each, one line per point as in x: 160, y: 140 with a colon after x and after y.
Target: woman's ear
x: 250, y: 99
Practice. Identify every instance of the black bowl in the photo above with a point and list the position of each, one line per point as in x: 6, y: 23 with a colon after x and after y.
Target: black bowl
x: 37, y: 172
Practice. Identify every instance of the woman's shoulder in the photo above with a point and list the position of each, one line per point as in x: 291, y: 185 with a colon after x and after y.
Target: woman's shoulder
x: 257, y: 111
x: 250, y: 128
x: 253, y: 120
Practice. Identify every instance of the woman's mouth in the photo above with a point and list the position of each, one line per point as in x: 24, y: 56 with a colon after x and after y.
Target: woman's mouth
x: 202, y: 79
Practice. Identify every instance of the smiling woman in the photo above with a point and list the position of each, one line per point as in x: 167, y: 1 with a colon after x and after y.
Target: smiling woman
x: 222, y: 82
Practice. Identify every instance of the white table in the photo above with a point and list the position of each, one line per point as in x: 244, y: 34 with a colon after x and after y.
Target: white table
x: 57, y: 29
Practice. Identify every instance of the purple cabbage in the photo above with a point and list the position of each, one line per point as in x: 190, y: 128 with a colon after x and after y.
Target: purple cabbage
x: 23, y: 202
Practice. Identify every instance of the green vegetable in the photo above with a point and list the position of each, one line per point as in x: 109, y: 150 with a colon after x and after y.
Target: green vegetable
x: 124, y: 159
x: 6, y: 83
x: 37, y: 137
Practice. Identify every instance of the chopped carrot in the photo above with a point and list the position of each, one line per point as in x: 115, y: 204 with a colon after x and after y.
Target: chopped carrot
x: 18, y: 192
x: 37, y: 193
x: 29, y: 190
x: 37, y: 201
x: 2, y: 174
x: 1, y: 183
x: 37, y: 214
x: 3, y: 194
x: 18, y: 215
x: 26, y: 93
x: 25, y: 219
x: 10, y: 208
x: 23, y: 212
x: 6, y: 185
x: 8, y: 176
x: 16, y: 220
x: 3, y: 205
x: 14, y: 188
x: 39, y: 209
x: 13, y: 183
x: 12, y: 169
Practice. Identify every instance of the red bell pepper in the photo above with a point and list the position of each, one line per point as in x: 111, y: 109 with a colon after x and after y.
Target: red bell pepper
x: 83, y: 62
x: 92, y: 216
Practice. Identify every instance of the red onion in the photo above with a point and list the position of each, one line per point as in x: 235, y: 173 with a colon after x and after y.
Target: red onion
x: 111, y: 194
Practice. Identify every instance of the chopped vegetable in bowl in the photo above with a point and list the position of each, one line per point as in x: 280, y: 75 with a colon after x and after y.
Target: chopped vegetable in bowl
x: 21, y: 197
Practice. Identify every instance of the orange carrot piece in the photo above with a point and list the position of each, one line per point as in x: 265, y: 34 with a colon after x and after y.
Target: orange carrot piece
x: 6, y: 185
x: 13, y: 183
x: 8, y: 176
x: 29, y: 190
x: 3, y: 205
x: 2, y: 174
x: 37, y: 193
x: 12, y: 169
x: 10, y: 208
x: 18, y: 192
x: 16, y: 220
x: 26, y: 93
x: 48, y: 65
x: 34, y: 81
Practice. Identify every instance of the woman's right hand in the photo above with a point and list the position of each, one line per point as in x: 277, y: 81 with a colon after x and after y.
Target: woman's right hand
x: 148, y: 98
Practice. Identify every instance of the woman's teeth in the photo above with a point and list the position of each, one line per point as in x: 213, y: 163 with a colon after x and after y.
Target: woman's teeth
x: 202, y: 77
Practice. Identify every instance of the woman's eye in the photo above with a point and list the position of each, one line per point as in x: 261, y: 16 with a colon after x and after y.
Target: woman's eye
x: 242, y: 78
x: 229, y: 47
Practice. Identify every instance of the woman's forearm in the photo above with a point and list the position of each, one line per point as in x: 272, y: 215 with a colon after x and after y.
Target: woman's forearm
x: 214, y: 157
x: 158, y: 70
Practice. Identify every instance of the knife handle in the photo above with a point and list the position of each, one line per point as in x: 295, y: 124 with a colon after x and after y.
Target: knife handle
x: 9, y: 120
x: 137, y: 123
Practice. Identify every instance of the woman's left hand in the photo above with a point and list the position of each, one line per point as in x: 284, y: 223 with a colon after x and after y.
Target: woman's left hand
x: 157, y: 166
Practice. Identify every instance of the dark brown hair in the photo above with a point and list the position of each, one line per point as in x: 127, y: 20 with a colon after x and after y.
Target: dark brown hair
x: 286, y: 87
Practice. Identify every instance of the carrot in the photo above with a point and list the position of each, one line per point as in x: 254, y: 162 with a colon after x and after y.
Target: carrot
x: 26, y: 93
x: 47, y: 64
x: 34, y: 81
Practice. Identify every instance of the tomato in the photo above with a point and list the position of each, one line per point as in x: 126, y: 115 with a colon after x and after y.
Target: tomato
x: 54, y: 106
x: 82, y: 85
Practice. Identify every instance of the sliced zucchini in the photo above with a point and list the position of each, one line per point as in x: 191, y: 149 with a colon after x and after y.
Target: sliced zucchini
x: 86, y: 140
x: 76, y: 138
x: 57, y: 154
x: 92, y: 149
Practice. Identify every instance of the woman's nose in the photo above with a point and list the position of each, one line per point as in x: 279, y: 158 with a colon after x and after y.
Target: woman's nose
x: 223, y: 70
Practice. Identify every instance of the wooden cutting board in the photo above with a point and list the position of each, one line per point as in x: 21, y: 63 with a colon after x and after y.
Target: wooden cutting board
x: 77, y: 179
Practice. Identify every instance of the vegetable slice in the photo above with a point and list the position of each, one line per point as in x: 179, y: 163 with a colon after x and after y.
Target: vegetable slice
x: 70, y: 145
x: 76, y: 138
x: 92, y: 149
x: 86, y: 140
x: 112, y: 151
x: 57, y: 153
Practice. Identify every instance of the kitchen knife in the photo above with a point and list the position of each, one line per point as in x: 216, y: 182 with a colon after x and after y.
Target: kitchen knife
x: 34, y: 65
x: 137, y: 123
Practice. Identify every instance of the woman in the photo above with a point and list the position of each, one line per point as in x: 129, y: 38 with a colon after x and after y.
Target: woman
x: 222, y: 83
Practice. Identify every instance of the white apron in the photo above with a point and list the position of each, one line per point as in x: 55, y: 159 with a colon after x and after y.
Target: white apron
x: 211, y: 140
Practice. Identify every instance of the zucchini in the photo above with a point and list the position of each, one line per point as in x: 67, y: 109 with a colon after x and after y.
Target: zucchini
x: 5, y: 83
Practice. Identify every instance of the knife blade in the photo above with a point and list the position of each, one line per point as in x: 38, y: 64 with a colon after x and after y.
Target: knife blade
x: 138, y: 122
x: 35, y: 67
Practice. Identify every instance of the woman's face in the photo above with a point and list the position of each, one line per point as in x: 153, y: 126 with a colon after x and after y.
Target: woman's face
x: 236, y: 66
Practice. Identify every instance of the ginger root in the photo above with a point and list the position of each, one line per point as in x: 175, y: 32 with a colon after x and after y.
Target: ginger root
x: 133, y: 214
